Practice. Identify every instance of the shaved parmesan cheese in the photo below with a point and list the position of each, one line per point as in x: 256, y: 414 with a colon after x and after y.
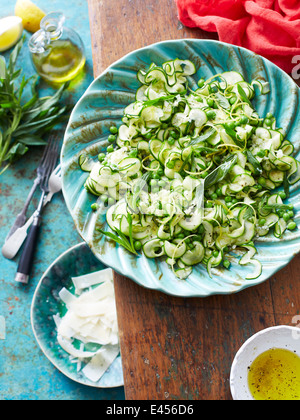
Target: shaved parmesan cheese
x: 99, y: 364
x: 69, y: 348
x: 92, y: 279
x: 66, y: 296
x: 91, y: 316
x: 91, y: 319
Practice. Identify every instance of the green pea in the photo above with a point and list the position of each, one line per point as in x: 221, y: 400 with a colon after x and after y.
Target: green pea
x: 111, y: 138
x: 291, y: 226
x: 262, y: 181
x: 268, y: 122
x: 101, y: 157
x: 227, y: 199
x: 210, y: 102
x: 160, y: 171
x: 215, y: 254
x: 153, y: 183
x: 214, y: 196
x: 282, y: 195
x: 210, y: 114
x: 148, y: 136
x: 180, y: 236
x: 171, y: 164
x: 94, y: 206
x: 244, y: 120
x: 204, y: 174
x: 201, y: 83
x: 156, y: 176
x: 269, y: 115
x: 219, y: 192
x: 155, y: 190
x: 262, y: 222
x: 110, y: 149
x: 137, y: 245
x: 171, y: 141
x: 111, y: 201
x: 230, y: 124
x: 176, y: 135
x: 113, y: 129
x: 290, y: 213
x: 133, y: 154
x: 286, y: 217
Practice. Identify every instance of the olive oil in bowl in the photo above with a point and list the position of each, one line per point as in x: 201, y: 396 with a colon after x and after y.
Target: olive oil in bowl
x: 275, y: 375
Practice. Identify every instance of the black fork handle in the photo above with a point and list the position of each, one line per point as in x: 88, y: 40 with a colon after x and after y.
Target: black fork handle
x: 27, y: 257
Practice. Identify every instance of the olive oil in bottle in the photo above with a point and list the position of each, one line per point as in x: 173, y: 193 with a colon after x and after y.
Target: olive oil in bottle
x: 57, y: 52
x: 62, y: 63
x: 275, y: 375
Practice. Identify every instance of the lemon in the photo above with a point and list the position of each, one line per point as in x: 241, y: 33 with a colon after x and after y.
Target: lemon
x: 30, y: 14
x: 11, y: 29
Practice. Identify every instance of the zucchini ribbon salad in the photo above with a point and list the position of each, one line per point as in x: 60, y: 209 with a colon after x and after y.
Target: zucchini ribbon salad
x: 191, y: 175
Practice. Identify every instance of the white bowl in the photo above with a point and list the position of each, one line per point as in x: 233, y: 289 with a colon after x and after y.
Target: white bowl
x: 282, y: 336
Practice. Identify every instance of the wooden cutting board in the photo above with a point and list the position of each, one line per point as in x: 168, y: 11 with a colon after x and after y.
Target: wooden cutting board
x: 174, y: 348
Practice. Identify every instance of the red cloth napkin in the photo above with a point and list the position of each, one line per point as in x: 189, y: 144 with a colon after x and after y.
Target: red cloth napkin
x: 270, y: 28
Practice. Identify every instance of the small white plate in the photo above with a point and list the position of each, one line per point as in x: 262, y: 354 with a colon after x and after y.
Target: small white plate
x: 282, y: 336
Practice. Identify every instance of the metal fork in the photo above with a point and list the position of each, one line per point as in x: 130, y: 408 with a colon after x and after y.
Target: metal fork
x: 26, y: 260
x: 21, y: 218
x: 55, y: 184
x: 13, y: 244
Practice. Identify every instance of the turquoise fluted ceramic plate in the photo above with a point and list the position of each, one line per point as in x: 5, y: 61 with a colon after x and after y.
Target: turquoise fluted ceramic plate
x: 103, y: 104
x: 76, y: 261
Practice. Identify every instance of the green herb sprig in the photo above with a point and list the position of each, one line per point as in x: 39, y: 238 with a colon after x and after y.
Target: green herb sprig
x: 122, y: 239
x: 220, y: 172
x: 23, y: 125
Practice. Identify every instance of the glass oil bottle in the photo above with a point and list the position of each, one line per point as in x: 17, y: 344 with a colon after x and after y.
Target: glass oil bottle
x: 57, y: 52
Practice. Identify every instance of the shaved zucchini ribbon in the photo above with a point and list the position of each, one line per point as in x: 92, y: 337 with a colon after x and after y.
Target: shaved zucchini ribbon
x: 195, y: 169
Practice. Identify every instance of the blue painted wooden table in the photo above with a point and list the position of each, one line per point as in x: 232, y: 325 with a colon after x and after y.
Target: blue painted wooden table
x: 25, y: 373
